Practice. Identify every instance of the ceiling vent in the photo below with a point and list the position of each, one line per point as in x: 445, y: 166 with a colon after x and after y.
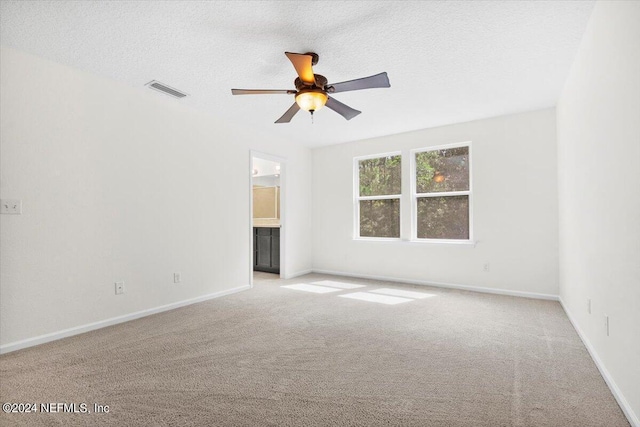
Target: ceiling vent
x: 161, y: 87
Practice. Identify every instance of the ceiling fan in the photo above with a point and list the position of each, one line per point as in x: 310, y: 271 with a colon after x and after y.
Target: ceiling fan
x: 312, y: 90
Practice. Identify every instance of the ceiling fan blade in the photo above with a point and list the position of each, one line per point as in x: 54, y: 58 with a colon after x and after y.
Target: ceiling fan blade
x: 302, y: 63
x: 379, y: 80
x: 262, y: 92
x: 286, y: 117
x: 342, y: 109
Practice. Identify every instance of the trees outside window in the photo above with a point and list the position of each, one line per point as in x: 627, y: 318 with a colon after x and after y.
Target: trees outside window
x: 378, y: 197
x: 442, y: 193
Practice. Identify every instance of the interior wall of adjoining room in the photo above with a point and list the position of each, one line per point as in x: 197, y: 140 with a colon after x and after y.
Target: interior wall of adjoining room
x: 266, y: 190
x: 598, y: 118
x: 515, y: 219
x: 123, y: 184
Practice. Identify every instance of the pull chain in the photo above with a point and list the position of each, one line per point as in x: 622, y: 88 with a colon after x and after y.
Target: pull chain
x: 311, y: 111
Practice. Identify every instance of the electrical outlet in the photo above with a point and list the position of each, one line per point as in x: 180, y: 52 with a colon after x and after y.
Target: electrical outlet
x: 11, y: 206
x: 119, y: 288
x: 606, y: 324
x: 589, y: 305
x: 177, y: 278
x: 486, y: 267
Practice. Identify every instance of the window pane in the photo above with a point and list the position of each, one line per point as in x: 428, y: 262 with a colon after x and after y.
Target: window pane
x: 380, y: 177
x: 380, y: 218
x: 442, y: 170
x: 443, y: 217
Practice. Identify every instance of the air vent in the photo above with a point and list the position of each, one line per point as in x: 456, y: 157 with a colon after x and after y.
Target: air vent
x: 161, y: 87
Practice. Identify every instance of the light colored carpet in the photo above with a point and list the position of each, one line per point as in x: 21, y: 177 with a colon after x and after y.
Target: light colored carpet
x: 285, y: 357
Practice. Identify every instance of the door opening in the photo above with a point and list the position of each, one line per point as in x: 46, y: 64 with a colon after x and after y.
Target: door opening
x: 266, y: 217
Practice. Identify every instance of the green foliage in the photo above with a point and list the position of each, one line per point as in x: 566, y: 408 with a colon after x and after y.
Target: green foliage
x: 443, y: 217
x: 380, y: 218
x: 442, y: 170
x: 437, y: 171
x: 381, y: 176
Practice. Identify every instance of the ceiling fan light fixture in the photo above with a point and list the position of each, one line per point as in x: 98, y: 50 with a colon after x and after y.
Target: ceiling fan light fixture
x: 311, y: 89
x: 311, y: 99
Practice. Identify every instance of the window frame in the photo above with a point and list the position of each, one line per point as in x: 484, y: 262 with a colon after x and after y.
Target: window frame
x: 415, y: 196
x: 357, y: 198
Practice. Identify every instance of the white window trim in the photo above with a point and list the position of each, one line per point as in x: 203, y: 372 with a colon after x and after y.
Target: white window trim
x: 357, y: 198
x: 415, y: 195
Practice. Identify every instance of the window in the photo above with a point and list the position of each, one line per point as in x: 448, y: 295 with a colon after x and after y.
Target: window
x: 440, y: 198
x: 441, y: 193
x: 378, y: 190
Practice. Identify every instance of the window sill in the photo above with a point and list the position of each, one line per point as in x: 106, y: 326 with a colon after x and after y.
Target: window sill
x: 418, y: 242
x: 444, y: 242
x: 377, y: 239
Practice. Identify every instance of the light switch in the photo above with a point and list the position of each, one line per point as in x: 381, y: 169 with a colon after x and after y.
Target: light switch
x: 11, y: 206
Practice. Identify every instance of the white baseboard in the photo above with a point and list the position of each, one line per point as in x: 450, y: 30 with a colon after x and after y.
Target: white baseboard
x: 624, y: 405
x: 30, y: 342
x: 443, y: 285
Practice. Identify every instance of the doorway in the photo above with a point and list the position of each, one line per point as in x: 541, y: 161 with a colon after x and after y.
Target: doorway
x: 267, y: 219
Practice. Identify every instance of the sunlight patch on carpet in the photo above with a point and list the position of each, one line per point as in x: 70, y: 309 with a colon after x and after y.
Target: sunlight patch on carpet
x: 311, y: 288
x: 340, y: 285
x: 381, y: 299
x: 402, y: 293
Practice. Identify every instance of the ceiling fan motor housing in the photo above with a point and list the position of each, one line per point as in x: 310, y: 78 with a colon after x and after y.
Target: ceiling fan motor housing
x: 321, y: 82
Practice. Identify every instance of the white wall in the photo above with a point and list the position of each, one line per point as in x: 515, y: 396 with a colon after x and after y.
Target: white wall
x: 514, y: 209
x: 598, y: 120
x: 122, y: 183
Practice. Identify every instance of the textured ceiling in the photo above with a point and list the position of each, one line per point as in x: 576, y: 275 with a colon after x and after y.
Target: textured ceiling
x: 448, y: 62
